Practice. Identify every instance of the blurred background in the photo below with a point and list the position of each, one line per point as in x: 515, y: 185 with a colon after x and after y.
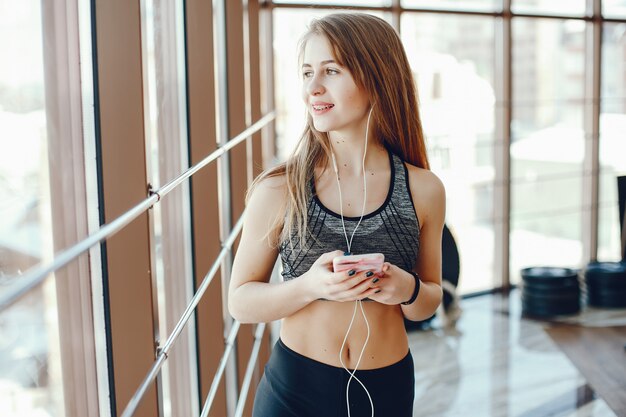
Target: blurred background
x: 523, y: 104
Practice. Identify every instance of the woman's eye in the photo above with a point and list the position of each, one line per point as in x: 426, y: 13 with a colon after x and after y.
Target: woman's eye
x: 327, y: 71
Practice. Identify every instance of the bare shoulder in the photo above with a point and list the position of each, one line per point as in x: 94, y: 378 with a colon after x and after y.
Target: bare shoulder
x: 425, y: 182
x: 271, y: 190
x: 265, y: 207
x: 427, y: 191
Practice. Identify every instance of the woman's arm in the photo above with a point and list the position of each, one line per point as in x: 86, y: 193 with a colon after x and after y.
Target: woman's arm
x: 251, y: 299
x: 429, y: 196
x: 397, y: 285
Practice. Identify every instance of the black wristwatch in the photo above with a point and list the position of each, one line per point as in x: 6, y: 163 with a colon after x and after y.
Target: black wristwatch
x: 416, y: 291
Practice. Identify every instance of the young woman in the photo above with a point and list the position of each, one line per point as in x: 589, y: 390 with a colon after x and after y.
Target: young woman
x: 358, y: 182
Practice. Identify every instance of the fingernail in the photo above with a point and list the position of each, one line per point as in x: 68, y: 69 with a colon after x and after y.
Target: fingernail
x: 351, y: 272
x: 369, y: 274
x: 377, y: 291
x: 375, y: 280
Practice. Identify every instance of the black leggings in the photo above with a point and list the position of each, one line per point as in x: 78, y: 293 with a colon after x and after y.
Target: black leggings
x: 296, y: 386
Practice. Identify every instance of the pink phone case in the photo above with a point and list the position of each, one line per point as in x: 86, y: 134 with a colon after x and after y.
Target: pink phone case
x: 365, y: 262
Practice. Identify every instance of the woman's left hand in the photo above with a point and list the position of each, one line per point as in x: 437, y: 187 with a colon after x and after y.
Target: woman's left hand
x: 395, y: 284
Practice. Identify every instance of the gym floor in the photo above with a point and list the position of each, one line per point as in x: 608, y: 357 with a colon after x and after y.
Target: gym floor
x: 494, y: 363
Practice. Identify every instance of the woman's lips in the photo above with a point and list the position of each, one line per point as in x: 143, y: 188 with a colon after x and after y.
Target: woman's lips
x: 321, y: 108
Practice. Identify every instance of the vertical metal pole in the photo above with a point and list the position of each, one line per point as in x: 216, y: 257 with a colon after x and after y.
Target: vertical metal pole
x: 155, y: 304
x: 147, y: 38
x: 591, y: 177
x: 502, y: 186
x: 396, y: 14
x: 247, y: 88
x: 190, y: 383
x: 502, y: 157
x: 224, y: 195
x: 266, y: 32
x: 251, y: 369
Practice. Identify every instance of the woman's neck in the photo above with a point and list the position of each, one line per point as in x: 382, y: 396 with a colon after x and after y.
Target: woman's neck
x: 349, y: 155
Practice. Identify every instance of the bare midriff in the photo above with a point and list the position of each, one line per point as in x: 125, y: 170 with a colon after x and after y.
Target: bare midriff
x: 318, y: 330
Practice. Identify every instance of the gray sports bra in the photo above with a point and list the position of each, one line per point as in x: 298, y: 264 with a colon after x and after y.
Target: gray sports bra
x: 392, y: 229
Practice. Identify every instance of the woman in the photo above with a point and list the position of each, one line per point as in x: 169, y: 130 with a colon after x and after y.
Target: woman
x: 357, y: 182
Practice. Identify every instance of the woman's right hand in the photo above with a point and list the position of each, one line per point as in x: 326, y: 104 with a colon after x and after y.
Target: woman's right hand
x: 322, y: 282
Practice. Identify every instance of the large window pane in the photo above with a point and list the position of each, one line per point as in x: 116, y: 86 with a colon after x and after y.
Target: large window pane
x: 30, y: 372
x: 474, y: 5
x: 614, y: 8
x: 614, y: 66
x: 548, y: 143
x: 455, y: 75
x: 612, y: 165
x: 612, y: 140
x: 338, y: 2
x: 564, y: 7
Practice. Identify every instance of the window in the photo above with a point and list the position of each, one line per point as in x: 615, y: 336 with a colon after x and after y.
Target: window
x: 30, y: 368
x: 166, y: 134
x: 547, y: 143
x: 612, y: 146
x: 338, y: 2
x: 566, y: 7
x: 478, y: 5
x: 454, y: 70
x: 614, y: 9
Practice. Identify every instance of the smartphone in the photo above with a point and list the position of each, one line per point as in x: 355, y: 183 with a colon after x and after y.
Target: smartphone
x: 365, y: 262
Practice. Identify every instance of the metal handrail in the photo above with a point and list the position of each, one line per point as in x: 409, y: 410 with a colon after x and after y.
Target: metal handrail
x: 163, y: 351
x: 230, y: 343
x: 247, y: 379
x: 36, y: 275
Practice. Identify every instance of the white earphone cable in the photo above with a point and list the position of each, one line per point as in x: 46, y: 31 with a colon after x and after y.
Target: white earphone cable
x: 358, y: 302
x: 349, y: 242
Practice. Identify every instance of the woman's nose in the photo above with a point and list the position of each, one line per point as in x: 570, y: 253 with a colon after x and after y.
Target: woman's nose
x: 315, y: 87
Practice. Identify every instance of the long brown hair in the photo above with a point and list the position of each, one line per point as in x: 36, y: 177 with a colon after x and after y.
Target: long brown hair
x: 372, y: 51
